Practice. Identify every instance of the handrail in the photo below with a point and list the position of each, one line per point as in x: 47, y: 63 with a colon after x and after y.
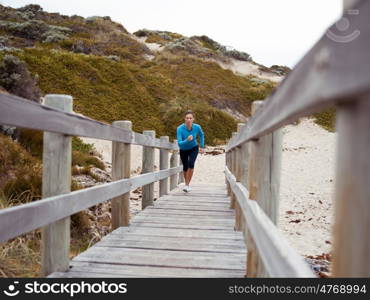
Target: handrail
x: 59, y: 123
x: 329, y: 73
x: 335, y: 72
x: 23, y: 218
x: 278, y: 257
x: 17, y: 111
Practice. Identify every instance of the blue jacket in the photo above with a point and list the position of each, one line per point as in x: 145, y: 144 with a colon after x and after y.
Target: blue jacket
x: 183, y: 133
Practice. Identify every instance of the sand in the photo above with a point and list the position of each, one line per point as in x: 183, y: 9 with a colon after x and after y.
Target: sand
x: 155, y: 47
x: 243, y: 68
x: 307, y: 182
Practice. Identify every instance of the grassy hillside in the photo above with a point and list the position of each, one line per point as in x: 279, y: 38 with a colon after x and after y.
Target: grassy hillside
x: 106, y: 70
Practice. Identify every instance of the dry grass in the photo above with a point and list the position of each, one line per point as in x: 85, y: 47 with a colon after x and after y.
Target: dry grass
x: 21, y: 256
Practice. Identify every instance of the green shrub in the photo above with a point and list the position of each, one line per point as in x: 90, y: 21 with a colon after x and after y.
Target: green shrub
x: 20, y: 178
x: 326, y: 119
x: 83, y: 159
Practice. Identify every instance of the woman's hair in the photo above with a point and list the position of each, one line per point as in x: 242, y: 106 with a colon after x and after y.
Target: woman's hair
x: 189, y: 112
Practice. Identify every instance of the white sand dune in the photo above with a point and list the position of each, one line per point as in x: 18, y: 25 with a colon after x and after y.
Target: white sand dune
x: 243, y: 68
x: 307, y: 181
x: 239, y: 67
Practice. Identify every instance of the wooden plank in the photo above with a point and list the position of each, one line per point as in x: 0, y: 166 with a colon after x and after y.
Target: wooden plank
x: 23, y: 218
x: 20, y: 112
x: 167, y: 258
x: 233, y: 164
x: 195, y: 204
x: 264, y: 183
x: 227, y: 243
x: 88, y: 269
x: 331, y: 72
x: 238, y: 175
x: 198, y: 209
x: 195, y: 193
x: 192, y: 207
x: 184, y: 221
x: 190, y: 199
x: 205, y: 191
x: 174, y: 162
x: 153, y: 210
x: 188, y: 216
x: 153, y: 224
x: 56, y: 179
x: 121, y: 168
x: 193, y: 233
x: 184, y: 218
x: 279, y: 258
x: 185, y: 244
x: 163, y: 164
x: 148, y: 167
x: 351, y: 245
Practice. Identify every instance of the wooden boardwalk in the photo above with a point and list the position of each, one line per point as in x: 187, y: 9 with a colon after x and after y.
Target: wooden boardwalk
x: 182, y: 235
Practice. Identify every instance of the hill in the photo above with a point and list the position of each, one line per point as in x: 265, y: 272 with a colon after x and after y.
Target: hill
x: 112, y: 75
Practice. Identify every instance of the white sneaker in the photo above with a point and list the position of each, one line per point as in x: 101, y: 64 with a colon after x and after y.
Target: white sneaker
x: 185, y: 188
x: 188, y: 189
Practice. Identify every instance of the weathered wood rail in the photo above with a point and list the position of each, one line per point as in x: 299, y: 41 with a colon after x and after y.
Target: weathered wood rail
x: 332, y: 74
x: 53, y: 212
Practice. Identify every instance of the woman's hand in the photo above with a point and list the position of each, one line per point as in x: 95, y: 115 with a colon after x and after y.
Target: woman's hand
x: 201, y: 150
x: 190, y: 138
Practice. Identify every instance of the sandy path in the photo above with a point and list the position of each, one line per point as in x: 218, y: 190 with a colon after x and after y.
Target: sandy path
x: 307, y: 182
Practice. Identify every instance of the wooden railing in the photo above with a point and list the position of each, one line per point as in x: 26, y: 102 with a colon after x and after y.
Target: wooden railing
x: 52, y: 213
x: 332, y: 74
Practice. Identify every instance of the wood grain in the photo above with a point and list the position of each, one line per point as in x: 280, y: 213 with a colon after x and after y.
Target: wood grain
x: 164, y: 242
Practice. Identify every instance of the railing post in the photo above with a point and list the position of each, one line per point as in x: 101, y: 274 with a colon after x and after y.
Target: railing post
x: 174, y: 161
x: 181, y: 174
x: 148, y: 166
x: 238, y: 176
x: 233, y: 163
x: 121, y: 168
x: 56, y: 179
x: 252, y: 255
x: 351, y: 239
x: 163, y: 164
x: 264, y: 182
x: 227, y: 162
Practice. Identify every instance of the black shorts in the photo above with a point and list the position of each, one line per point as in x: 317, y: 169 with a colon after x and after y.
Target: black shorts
x: 188, y: 157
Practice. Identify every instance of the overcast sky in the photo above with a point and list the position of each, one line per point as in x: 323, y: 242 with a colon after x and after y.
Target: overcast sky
x: 271, y: 31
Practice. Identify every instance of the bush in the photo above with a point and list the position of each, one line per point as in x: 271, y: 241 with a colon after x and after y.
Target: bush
x: 16, y: 79
x: 31, y: 7
x: 20, y: 172
x: 85, y: 160
x: 33, y: 29
x: 217, y: 47
x: 54, y: 37
x: 326, y: 119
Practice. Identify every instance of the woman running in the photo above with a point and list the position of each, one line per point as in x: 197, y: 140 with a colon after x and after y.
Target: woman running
x: 187, y: 140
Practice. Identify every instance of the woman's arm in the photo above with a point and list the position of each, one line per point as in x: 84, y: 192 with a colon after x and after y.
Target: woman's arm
x: 180, y: 141
x: 201, y: 134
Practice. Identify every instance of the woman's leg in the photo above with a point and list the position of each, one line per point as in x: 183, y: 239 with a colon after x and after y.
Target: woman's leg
x: 192, y: 157
x: 185, y: 164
